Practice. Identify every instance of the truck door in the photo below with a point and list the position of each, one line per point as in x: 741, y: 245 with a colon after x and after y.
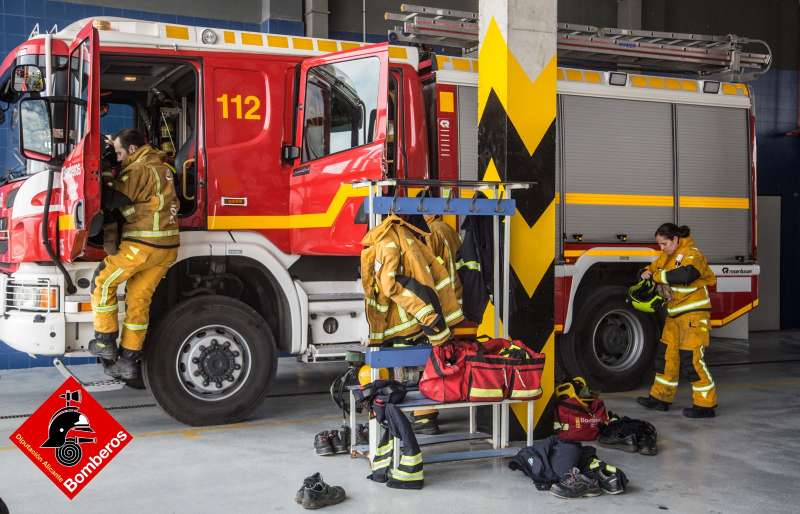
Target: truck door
x: 341, y: 132
x: 80, y: 175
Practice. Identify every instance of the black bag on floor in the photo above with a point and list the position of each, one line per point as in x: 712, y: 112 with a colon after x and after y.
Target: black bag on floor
x: 547, y: 461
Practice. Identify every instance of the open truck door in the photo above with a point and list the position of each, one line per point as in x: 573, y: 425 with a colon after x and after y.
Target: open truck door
x: 80, y: 175
x: 340, y: 138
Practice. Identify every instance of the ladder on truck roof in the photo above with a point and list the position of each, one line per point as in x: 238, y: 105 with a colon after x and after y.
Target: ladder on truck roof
x: 707, y: 56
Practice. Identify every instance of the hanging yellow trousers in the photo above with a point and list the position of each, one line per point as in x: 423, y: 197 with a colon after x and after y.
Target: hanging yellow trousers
x: 681, y: 350
x: 143, y: 267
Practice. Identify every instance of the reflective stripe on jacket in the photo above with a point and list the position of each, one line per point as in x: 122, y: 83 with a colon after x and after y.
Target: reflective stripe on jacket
x: 405, y: 288
x: 688, y: 276
x: 445, y: 242
x: 151, y: 215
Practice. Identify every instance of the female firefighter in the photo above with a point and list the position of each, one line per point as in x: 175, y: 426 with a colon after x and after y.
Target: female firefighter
x: 682, y: 276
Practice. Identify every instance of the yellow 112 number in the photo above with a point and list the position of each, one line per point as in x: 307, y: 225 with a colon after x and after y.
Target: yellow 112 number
x: 252, y: 102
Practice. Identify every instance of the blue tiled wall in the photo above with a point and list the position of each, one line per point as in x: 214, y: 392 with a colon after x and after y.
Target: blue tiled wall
x: 778, y: 156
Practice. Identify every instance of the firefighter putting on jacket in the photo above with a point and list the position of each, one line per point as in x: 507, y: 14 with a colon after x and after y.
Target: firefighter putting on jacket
x: 682, y: 276
x: 144, y: 195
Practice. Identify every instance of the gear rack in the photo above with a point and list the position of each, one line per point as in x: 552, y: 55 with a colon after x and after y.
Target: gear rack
x: 708, y: 56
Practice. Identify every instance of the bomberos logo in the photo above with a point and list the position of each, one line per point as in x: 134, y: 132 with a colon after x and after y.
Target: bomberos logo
x: 71, y: 438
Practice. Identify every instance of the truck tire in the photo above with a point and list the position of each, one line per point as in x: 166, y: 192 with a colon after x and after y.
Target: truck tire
x: 210, y: 361
x: 610, y: 343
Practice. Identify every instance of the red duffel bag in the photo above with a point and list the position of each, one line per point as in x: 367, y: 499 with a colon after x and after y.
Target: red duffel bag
x: 444, y: 374
x: 578, y: 418
x: 503, y: 369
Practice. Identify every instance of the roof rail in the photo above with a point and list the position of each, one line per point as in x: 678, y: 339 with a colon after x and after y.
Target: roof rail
x: 707, y: 56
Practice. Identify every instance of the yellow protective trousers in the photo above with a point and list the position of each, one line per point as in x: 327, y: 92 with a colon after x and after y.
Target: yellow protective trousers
x: 683, y: 343
x: 143, y: 267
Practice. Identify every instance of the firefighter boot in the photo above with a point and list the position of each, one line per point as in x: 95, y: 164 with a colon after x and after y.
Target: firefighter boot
x: 652, y: 403
x: 699, y: 412
x: 426, y: 422
x: 104, y: 345
x: 127, y: 365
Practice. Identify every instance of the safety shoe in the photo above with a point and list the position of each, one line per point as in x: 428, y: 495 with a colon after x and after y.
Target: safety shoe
x: 104, y: 346
x: 426, y: 425
x: 611, y: 480
x: 340, y: 443
x: 126, y: 367
x: 576, y: 485
x: 307, y: 482
x: 620, y: 440
x: 652, y: 403
x: 320, y: 495
x: 322, y: 443
x: 699, y: 412
x: 647, y: 441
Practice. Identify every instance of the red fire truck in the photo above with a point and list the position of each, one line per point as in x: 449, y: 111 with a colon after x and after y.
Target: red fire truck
x: 268, y: 132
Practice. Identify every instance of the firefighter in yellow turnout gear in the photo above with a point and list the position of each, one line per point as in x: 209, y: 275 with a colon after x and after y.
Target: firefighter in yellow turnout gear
x: 683, y: 277
x: 144, y: 195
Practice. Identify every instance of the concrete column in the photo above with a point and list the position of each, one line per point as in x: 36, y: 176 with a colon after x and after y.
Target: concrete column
x: 516, y: 141
x: 316, y: 17
x: 629, y: 14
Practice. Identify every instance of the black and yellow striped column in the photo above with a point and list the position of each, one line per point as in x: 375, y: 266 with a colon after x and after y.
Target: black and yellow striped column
x: 516, y: 141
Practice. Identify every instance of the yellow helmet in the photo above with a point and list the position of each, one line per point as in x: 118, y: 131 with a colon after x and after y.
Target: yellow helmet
x: 644, y: 297
x: 365, y: 374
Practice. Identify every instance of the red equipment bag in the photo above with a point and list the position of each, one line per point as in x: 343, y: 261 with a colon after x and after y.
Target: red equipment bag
x: 443, y: 378
x: 578, y: 418
x: 489, y: 371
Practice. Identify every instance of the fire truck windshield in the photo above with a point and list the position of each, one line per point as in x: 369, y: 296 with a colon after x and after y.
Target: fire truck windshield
x: 13, y: 165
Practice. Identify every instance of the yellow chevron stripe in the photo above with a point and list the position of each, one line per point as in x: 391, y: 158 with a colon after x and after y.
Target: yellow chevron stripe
x: 315, y: 220
x: 530, y: 104
x: 531, y: 266
x: 520, y: 410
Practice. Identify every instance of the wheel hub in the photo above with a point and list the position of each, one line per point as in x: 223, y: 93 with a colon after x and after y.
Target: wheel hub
x: 618, y: 340
x: 214, y: 363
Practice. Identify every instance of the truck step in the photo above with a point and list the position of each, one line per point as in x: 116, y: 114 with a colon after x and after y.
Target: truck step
x: 329, y: 352
x: 93, y: 386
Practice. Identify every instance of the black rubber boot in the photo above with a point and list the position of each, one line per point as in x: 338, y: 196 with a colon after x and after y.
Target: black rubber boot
x: 104, y: 345
x: 126, y: 367
x: 652, y: 403
x: 699, y: 412
x: 427, y: 424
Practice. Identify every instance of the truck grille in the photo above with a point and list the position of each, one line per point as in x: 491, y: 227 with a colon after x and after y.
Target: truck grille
x: 31, y: 296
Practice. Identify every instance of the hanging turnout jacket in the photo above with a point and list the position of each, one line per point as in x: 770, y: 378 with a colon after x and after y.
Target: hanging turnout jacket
x: 688, y: 275
x: 381, y: 396
x: 475, y: 265
x: 445, y: 243
x: 406, y: 290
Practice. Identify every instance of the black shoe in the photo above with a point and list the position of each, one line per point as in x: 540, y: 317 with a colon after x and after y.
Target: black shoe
x: 699, y: 412
x: 307, y: 482
x: 652, y: 403
x: 322, y: 444
x: 620, y: 440
x: 339, y: 446
x: 104, y: 345
x: 610, y: 479
x: 126, y: 366
x: 426, y: 425
x: 576, y: 485
x: 362, y: 434
x: 321, y: 495
x: 647, y: 441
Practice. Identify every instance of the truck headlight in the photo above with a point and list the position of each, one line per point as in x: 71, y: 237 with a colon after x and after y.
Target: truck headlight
x: 32, y: 297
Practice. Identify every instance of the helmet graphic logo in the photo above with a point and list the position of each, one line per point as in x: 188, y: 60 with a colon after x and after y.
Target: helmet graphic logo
x: 66, y: 427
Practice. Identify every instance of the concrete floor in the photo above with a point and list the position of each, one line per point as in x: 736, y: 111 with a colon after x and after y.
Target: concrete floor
x: 742, y: 461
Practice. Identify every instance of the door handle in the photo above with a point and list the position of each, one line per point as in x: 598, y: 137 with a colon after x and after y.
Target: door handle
x: 184, y: 182
x: 299, y: 172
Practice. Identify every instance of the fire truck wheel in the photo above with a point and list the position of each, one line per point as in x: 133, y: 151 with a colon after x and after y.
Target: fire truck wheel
x: 610, y: 343
x: 210, y: 361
